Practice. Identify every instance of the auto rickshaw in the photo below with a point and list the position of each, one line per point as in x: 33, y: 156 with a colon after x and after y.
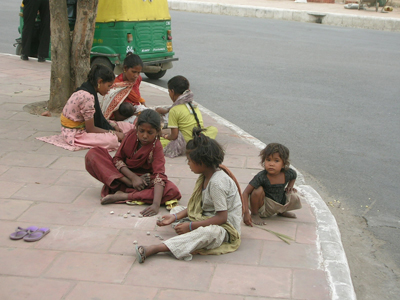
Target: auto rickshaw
x: 142, y: 27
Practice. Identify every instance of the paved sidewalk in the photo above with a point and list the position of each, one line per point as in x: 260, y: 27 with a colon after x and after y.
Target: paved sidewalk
x: 333, y: 13
x: 89, y: 252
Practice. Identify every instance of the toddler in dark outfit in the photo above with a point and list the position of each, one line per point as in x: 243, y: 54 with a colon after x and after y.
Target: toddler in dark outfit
x: 271, y: 190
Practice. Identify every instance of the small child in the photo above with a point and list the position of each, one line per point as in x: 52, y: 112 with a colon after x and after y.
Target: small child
x: 125, y: 111
x: 271, y: 190
x: 211, y: 222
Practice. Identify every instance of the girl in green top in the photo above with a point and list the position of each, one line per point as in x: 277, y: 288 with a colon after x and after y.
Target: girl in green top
x: 183, y: 116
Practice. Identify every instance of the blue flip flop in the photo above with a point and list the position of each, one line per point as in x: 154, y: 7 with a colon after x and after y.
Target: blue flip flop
x: 22, y: 232
x: 36, y: 235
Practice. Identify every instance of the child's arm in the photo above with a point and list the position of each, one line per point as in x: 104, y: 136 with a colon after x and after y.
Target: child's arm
x: 220, y: 218
x: 289, y: 188
x: 246, y: 212
x: 173, y: 135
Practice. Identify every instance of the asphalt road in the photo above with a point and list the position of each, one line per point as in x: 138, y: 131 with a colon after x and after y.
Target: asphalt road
x: 330, y: 94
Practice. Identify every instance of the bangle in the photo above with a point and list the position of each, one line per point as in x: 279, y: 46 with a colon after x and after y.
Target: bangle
x: 190, y: 226
x: 176, y: 218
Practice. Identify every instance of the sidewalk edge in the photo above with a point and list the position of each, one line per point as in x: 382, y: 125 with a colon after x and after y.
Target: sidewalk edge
x: 343, y: 20
x: 332, y: 255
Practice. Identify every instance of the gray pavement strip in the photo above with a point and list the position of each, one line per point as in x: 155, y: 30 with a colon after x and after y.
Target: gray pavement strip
x: 332, y: 256
x: 335, y: 19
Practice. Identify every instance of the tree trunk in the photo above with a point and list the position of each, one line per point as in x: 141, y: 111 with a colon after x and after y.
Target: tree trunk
x: 82, y: 40
x: 60, y: 83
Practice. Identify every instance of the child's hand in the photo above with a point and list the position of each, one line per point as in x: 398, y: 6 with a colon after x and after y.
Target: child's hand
x: 182, y: 228
x: 139, y: 183
x: 152, y: 210
x: 290, y: 190
x: 166, y: 136
x: 247, y: 219
x: 116, y: 127
x: 166, y: 220
x: 120, y: 136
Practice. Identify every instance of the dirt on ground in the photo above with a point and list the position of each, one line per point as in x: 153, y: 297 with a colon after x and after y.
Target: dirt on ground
x: 374, y: 274
x: 40, y: 108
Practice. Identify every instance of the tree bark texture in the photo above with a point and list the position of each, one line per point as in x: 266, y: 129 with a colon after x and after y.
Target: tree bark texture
x: 82, y: 40
x: 60, y: 80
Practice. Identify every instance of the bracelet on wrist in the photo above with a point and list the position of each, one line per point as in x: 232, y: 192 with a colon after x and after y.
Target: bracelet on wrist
x: 190, y: 226
x: 176, y: 217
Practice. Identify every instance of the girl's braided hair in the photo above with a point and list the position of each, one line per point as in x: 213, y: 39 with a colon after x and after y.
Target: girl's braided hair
x: 204, y: 150
x: 273, y: 148
x: 151, y: 117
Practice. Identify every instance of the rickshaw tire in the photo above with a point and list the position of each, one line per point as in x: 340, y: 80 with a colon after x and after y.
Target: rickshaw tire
x: 100, y: 60
x: 156, y: 75
x: 18, y: 50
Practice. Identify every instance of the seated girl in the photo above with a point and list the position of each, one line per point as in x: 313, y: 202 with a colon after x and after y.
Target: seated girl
x: 211, y: 222
x: 183, y: 116
x: 83, y: 124
x: 271, y: 191
x: 125, y: 88
x: 137, y: 171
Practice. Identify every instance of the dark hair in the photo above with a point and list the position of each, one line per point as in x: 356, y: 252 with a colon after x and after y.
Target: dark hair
x: 132, y: 60
x: 126, y: 109
x: 151, y: 117
x: 273, y: 148
x: 204, y: 150
x: 178, y: 84
x: 99, y: 71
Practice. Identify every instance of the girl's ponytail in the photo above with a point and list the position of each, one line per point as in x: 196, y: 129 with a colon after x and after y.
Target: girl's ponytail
x: 203, y: 150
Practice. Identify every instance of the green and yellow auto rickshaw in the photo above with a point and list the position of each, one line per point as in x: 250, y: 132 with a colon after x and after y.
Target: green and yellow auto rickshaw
x: 139, y: 26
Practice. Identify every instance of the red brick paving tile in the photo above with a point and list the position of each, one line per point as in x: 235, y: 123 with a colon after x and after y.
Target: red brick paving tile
x: 185, y: 275
x: 82, y: 239
x: 124, y: 242
x: 88, y: 290
x: 286, y: 228
x: 48, y: 193
x: 253, y: 162
x: 24, y: 159
x: 62, y: 214
x: 249, y: 253
x: 69, y: 163
x: 25, y: 262
x: 179, y: 171
x: 181, y: 160
x: 17, y: 288
x: 280, y: 254
x: 234, y: 161
x: 12, y: 209
x: 310, y: 285
x: 252, y: 281
x: 244, y: 175
x: 242, y: 149
x: 186, y: 185
x: 91, y: 267
x: 89, y: 197
x: 78, y: 178
x: 194, y: 295
x: 32, y: 175
x: 306, y: 233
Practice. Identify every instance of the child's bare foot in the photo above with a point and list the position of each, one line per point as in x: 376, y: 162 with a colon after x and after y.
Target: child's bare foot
x: 257, y: 220
x: 112, y: 198
x: 288, y: 214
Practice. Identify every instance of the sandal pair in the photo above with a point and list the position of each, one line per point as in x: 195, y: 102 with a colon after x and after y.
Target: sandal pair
x: 30, y: 234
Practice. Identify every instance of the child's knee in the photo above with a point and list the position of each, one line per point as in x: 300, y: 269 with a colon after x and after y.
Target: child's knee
x: 258, y: 193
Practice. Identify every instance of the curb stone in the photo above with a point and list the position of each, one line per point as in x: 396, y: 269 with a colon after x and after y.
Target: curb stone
x: 332, y: 258
x: 354, y: 21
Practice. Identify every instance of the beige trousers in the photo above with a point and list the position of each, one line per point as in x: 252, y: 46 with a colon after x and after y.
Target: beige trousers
x: 271, y: 207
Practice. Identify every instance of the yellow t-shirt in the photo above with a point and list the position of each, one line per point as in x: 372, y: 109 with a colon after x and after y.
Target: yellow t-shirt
x: 182, y: 117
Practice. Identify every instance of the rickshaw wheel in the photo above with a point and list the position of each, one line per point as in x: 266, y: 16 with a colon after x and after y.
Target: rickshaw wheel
x: 102, y: 61
x: 18, y: 50
x: 156, y: 75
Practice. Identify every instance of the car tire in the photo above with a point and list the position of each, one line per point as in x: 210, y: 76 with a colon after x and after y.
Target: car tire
x: 156, y: 75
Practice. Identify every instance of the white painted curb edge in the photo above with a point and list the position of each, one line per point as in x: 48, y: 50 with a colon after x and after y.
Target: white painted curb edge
x: 332, y: 256
x: 335, y: 19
